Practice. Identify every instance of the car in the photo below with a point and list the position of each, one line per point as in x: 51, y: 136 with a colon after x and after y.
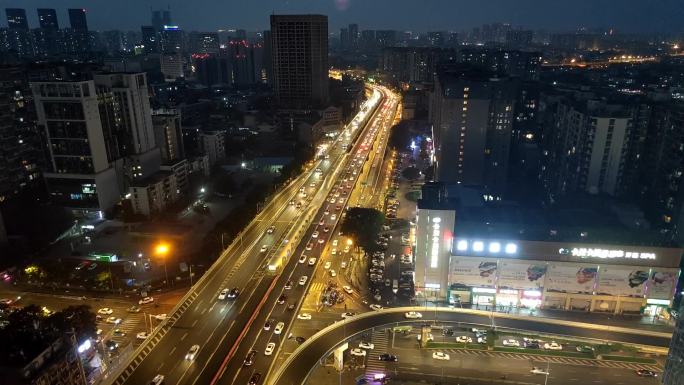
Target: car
x: 347, y: 289
x: 299, y: 205
x: 267, y: 325
x: 133, y: 309
x: 312, y: 184
x: 333, y: 251
x: 388, y: 283
x: 292, y: 202
x: 440, y: 356
x: 343, y: 265
x: 366, y: 345
x: 378, y: 298
x: 321, y: 240
x: 531, y: 344
x: 288, y: 285
x: 553, y: 345
x: 536, y: 370
x: 304, y: 316
x: 234, y: 292
x: 192, y: 353
x: 302, y: 258
x: 346, y: 249
x: 146, y: 300
x: 646, y: 373
x: 309, y: 246
x: 335, y: 242
x: 375, y: 307
x: 413, y: 315
x: 270, y: 347
x: 113, y: 320
x: 118, y: 332
x: 312, y: 261
x: 327, y: 265
x: 584, y: 349
x: 111, y: 345
x: 282, y: 299
x: 82, y: 265
x: 430, y: 337
x: 263, y: 248
x: 347, y: 315
x: 249, y: 359
x: 464, y: 339
x: 142, y: 335
x: 333, y: 217
x: 511, y: 342
x: 270, y: 229
x: 358, y: 352
x: 481, y: 339
x: 254, y: 379
x: 321, y: 222
x: 105, y: 311
x: 388, y: 357
x: 160, y: 317
x: 302, y: 280
x: 157, y: 380
x: 326, y: 229
x: 279, y: 328
x: 314, y: 234
x: 222, y: 295
x: 333, y: 273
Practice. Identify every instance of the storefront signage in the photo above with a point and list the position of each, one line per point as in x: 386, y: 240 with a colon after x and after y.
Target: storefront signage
x: 436, y: 238
x: 658, y: 302
x: 484, y: 290
x: 584, y: 252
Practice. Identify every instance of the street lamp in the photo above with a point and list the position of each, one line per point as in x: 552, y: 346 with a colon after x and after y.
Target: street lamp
x: 162, y: 251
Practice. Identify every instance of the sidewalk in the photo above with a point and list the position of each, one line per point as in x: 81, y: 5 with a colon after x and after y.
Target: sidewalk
x: 636, y: 321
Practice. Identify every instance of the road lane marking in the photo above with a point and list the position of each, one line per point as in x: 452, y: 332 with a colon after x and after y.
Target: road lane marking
x: 184, y: 335
x: 194, y: 322
x: 172, y: 350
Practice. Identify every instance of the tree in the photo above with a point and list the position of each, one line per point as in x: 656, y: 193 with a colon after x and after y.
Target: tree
x: 363, y: 225
x: 225, y: 184
x: 400, y: 137
x: 410, y: 173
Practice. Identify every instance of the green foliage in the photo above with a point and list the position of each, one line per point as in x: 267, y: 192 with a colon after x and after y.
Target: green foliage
x: 363, y: 225
x: 400, y: 137
x: 630, y: 359
x: 410, y: 173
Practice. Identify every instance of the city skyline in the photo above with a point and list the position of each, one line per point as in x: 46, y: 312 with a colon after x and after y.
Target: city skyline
x: 632, y: 16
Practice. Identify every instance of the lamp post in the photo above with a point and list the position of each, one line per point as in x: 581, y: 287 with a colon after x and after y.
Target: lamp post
x: 162, y: 250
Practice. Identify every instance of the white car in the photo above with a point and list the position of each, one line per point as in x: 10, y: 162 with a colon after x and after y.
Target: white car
x: 510, y: 342
x: 553, y: 345
x: 375, y: 307
x: 158, y: 380
x: 105, y: 311
x: 146, y: 300
x: 327, y: 265
x: 333, y: 273
x: 333, y: 217
x: 536, y: 370
x: 366, y: 345
x: 358, y: 352
x: 440, y: 356
x: 222, y: 295
x: 314, y: 234
x: 113, y: 320
x: 413, y: 315
x: 279, y: 328
x: 464, y: 339
x: 270, y: 229
x: 304, y: 316
x: 347, y: 315
x: 321, y: 240
x: 302, y: 258
x: 192, y: 353
x: 142, y: 336
x: 160, y: 317
x: 269, y: 349
x: 309, y: 246
x: 302, y: 280
x: 334, y: 242
x: 333, y: 251
x: 347, y: 289
x: 312, y: 261
x: 263, y: 248
x: 343, y: 265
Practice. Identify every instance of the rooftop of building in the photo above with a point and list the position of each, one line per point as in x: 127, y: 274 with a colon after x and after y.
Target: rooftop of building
x: 151, y: 179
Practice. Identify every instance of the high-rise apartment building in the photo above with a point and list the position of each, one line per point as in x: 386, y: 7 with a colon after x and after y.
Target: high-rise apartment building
x: 78, y: 37
x: 472, y: 116
x: 47, y: 19
x: 673, y: 374
x: 150, y: 39
x: 16, y: 19
x: 168, y: 134
x: 77, y: 19
x: 204, y: 43
x: 353, y: 36
x: 300, y: 60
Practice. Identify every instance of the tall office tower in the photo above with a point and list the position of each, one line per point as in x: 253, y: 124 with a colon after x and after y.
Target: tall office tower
x: 367, y: 40
x: 242, y: 62
x: 150, y: 39
x: 16, y: 18
x: 344, y: 38
x: 204, y: 43
x: 300, y: 60
x: 353, y: 36
x: 267, y: 57
x: 673, y: 374
x: 472, y: 115
x: 99, y: 135
x: 171, y: 39
x: 79, y: 36
x: 160, y: 18
x: 47, y: 17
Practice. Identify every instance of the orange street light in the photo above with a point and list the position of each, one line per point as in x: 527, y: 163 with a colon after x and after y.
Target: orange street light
x: 161, y: 249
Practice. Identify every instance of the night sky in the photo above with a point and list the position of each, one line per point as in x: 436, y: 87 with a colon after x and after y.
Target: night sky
x: 415, y: 15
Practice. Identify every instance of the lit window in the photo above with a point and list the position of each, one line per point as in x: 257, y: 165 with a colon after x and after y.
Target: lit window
x: 511, y: 248
x: 494, y: 247
x: 462, y: 245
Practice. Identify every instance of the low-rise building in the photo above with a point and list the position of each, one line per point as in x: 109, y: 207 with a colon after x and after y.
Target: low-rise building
x: 213, y: 144
x: 151, y: 195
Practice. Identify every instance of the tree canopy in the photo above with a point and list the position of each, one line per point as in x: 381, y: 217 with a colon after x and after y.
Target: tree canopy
x: 363, y: 225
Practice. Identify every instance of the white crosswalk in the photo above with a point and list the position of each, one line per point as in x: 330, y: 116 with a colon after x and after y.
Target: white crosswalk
x: 560, y: 360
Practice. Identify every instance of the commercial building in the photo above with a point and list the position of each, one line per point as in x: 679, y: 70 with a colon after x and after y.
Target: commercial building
x: 472, y: 117
x: 454, y: 263
x: 300, y: 60
x: 171, y: 66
